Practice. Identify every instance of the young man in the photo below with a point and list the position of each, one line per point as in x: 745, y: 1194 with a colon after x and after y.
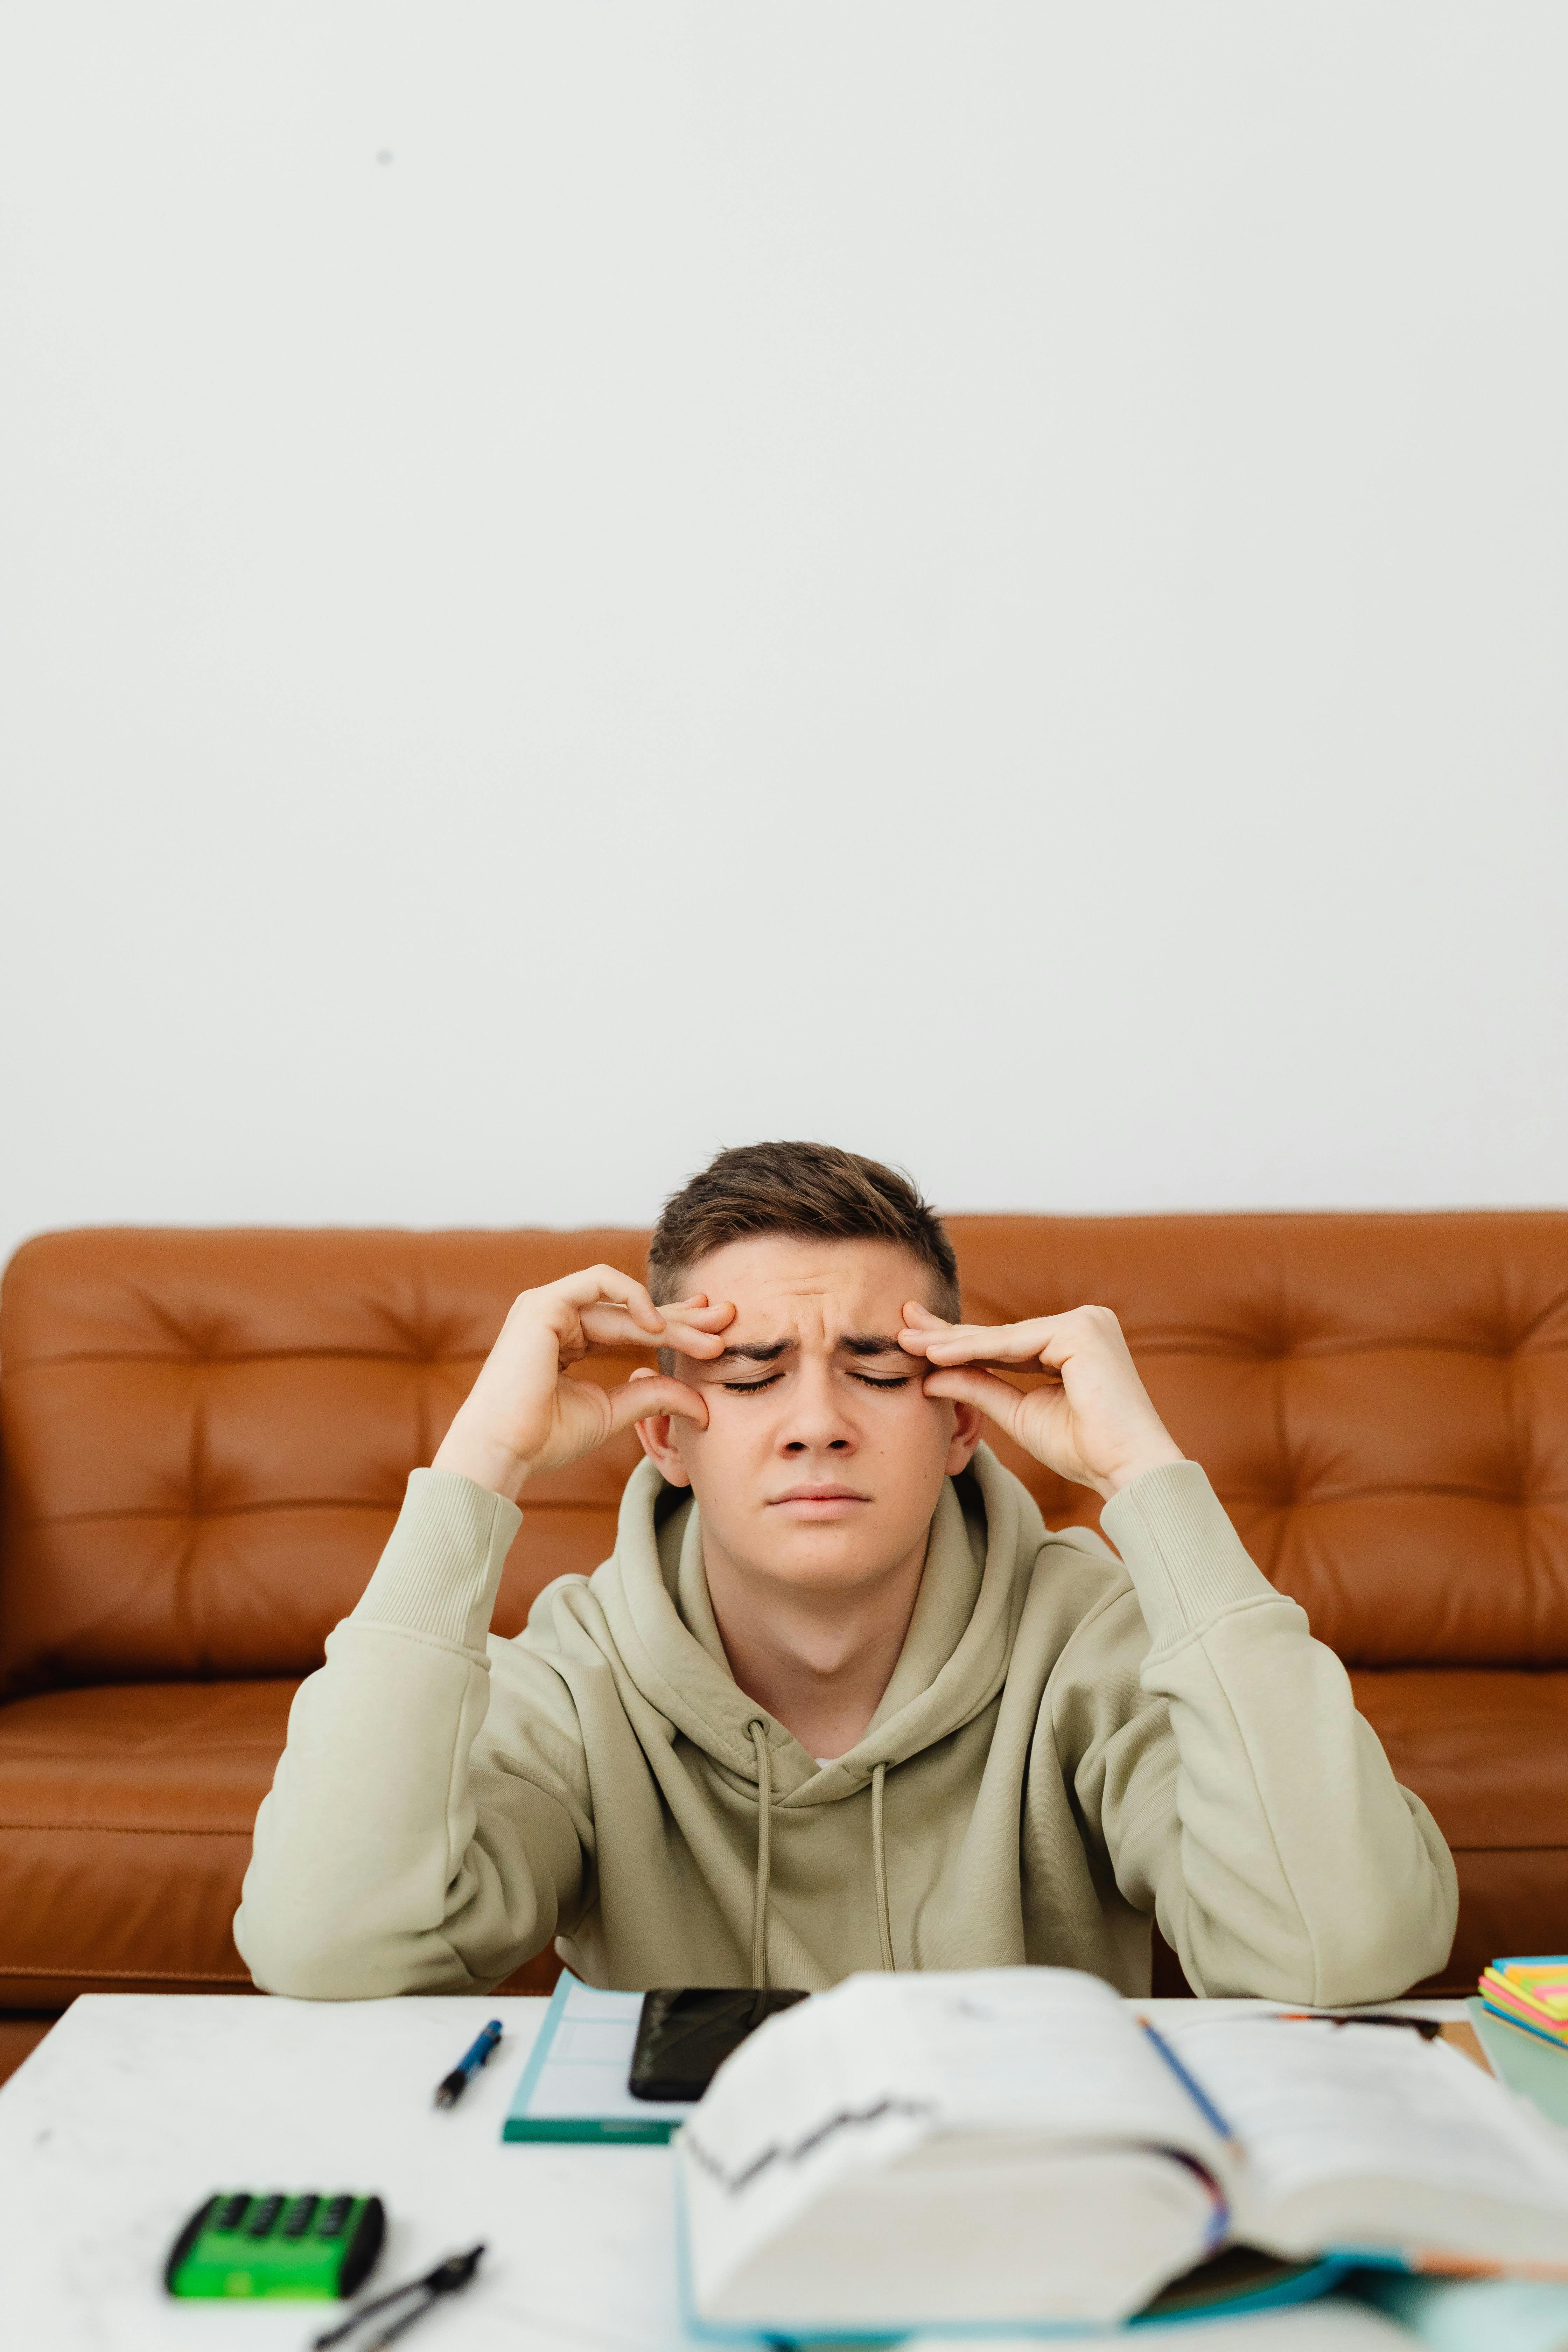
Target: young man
x: 837, y: 1700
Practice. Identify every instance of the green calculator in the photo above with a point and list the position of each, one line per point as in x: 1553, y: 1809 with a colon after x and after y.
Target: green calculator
x: 309, y: 2246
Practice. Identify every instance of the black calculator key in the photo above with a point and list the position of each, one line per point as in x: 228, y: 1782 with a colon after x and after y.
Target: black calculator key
x: 334, y: 2214
x: 264, y: 2219
x: 232, y: 2210
x: 300, y: 2214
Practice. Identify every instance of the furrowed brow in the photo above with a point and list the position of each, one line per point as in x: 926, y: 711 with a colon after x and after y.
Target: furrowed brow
x: 870, y: 1343
x: 755, y: 1354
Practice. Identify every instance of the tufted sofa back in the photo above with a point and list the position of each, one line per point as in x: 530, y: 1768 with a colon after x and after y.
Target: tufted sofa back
x: 206, y: 1434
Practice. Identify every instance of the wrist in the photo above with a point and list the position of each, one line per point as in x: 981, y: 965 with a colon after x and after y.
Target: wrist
x: 1155, y: 1455
x: 472, y: 1454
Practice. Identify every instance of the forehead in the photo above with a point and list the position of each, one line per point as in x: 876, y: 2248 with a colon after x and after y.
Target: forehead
x: 792, y: 1284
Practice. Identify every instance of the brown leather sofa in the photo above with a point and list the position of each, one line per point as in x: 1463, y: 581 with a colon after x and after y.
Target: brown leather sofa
x: 206, y: 1434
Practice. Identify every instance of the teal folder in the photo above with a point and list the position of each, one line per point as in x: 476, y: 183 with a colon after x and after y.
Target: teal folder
x: 573, y: 2086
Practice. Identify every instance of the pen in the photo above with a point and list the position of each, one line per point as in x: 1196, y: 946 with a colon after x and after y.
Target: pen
x: 1195, y: 2091
x: 451, y: 2087
x: 1428, y: 2028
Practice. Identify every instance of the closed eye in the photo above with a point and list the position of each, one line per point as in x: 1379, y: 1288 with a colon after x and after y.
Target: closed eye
x: 755, y: 1388
x: 866, y: 1381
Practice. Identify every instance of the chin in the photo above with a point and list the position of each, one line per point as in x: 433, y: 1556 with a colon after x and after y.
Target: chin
x: 813, y: 1557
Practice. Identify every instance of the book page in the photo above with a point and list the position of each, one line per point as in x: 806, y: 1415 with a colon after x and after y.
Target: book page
x: 860, y: 2078
x: 1313, y: 2102
x: 1043, y: 2052
x: 952, y: 2122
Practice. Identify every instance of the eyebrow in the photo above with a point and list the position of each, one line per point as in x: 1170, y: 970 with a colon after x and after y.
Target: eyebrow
x: 857, y: 1343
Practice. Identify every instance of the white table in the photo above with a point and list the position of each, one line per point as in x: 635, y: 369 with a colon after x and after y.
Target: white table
x: 136, y: 2108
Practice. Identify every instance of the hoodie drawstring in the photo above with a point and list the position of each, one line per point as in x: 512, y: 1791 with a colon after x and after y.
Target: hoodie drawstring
x: 880, y: 1868
x: 764, y: 1856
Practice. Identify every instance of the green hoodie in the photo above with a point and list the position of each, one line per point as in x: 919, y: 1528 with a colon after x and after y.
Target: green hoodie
x: 1068, y: 1745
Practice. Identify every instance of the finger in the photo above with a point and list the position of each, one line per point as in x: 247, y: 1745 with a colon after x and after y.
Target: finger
x: 696, y: 1331
x: 611, y: 1327
x: 640, y: 1400
x: 688, y: 1339
x: 998, y: 1400
x: 593, y: 1283
x: 989, y: 1343
x: 919, y: 1324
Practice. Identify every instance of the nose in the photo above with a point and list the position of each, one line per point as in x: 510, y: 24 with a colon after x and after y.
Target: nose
x: 817, y: 1422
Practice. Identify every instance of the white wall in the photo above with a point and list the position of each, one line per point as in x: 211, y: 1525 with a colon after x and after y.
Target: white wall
x: 586, y: 580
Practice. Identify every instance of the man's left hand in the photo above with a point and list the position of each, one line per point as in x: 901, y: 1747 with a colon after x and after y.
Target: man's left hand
x: 1092, y: 1422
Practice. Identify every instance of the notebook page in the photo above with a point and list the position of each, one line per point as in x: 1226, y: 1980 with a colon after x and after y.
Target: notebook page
x: 585, y: 2070
x: 1314, y: 2102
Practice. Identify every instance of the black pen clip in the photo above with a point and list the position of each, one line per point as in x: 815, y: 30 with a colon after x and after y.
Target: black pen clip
x: 445, y: 2279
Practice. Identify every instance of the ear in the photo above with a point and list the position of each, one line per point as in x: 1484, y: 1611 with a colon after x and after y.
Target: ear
x: 657, y: 1439
x: 968, y: 1425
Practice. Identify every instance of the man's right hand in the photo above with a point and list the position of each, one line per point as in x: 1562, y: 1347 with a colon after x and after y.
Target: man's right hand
x: 523, y: 1415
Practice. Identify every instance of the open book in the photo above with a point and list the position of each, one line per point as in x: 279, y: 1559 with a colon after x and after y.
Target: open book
x: 1014, y: 2146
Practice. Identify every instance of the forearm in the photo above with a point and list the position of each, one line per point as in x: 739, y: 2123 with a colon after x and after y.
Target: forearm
x: 371, y: 1873
x: 1284, y: 1858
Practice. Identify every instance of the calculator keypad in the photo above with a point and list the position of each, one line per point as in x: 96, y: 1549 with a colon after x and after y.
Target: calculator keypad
x: 300, y: 2214
x: 334, y: 2213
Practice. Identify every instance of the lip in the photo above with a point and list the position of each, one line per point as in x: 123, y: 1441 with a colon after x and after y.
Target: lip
x: 818, y: 1498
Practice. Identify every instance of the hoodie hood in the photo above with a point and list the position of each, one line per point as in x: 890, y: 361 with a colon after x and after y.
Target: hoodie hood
x: 985, y: 1536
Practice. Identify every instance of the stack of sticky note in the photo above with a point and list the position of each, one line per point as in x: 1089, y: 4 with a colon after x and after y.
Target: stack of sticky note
x: 1530, y: 1992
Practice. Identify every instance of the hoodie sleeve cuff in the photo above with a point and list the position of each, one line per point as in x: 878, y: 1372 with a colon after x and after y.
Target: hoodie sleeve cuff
x: 443, y: 1561
x: 1186, y: 1561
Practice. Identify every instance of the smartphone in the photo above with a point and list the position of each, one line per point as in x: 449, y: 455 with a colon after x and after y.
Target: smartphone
x: 686, y: 2033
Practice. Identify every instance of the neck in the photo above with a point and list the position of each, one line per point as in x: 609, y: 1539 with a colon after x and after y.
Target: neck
x: 817, y: 1661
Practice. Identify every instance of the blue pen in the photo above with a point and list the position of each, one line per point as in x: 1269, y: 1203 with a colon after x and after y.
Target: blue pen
x: 453, y: 2085
x: 1195, y: 2091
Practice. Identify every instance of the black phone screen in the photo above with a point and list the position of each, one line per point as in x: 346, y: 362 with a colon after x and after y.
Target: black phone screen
x: 686, y: 2033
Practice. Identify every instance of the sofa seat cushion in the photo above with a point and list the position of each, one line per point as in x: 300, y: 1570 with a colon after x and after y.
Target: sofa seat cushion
x: 1487, y: 1752
x: 125, y: 1822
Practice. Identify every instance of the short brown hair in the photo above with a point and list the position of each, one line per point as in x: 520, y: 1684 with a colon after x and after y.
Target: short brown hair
x: 812, y: 1190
